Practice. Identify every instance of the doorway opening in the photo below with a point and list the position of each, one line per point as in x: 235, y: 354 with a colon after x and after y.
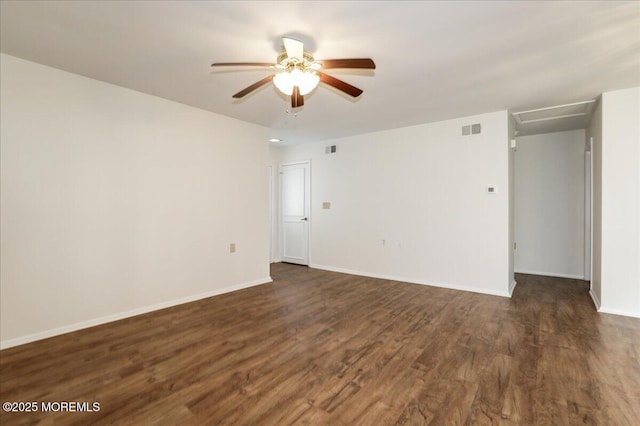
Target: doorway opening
x: 552, y: 191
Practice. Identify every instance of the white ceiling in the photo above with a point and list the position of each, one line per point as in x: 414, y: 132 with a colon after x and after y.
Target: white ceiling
x: 435, y: 60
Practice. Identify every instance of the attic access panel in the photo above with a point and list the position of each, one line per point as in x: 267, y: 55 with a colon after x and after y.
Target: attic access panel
x: 577, y: 109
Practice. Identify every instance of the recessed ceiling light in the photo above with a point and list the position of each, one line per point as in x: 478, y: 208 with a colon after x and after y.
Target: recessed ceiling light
x: 275, y: 140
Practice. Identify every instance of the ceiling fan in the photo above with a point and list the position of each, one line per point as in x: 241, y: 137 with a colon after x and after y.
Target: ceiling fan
x: 298, y: 73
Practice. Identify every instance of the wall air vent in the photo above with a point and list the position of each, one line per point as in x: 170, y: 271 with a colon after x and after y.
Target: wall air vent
x: 330, y: 149
x: 471, y: 129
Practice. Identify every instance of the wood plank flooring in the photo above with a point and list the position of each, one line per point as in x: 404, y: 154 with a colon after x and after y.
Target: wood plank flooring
x: 317, y: 347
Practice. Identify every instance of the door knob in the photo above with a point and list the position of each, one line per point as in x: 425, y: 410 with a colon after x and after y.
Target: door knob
x: 304, y: 218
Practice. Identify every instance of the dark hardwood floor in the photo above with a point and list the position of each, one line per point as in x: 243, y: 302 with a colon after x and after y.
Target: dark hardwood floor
x: 317, y: 347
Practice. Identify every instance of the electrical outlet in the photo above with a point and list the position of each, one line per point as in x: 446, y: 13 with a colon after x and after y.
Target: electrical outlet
x: 232, y: 248
x: 326, y: 205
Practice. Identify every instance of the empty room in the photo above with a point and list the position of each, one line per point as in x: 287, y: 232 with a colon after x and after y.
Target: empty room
x: 320, y: 212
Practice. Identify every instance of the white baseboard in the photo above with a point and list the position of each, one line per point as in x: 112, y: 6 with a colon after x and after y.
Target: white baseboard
x: 512, y: 287
x: 552, y: 274
x: 5, y: 344
x: 595, y: 299
x: 604, y: 310
x: 412, y: 280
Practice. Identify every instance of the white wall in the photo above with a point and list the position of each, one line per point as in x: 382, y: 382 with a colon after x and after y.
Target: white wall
x: 422, y: 189
x: 594, y: 134
x: 549, y: 204
x: 620, y: 276
x: 115, y: 202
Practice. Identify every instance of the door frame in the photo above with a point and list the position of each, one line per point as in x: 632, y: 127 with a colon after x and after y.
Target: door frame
x: 307, y: 208
x: 588, y: 213
x: 272, y: 236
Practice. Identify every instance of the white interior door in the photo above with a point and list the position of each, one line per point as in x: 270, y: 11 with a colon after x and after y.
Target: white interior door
x: 295, y: 191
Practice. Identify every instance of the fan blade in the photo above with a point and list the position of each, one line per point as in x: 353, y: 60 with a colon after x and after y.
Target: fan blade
x: 294, y: 48
x: 365, y: 63
x: 296, y: 98
x: 253, y: 87
x: 242, y: 64
x: 340, y: 85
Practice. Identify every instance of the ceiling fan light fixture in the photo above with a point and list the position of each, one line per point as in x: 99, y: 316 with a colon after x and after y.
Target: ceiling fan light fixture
x: 305, y: 80
x: 297, y: 73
